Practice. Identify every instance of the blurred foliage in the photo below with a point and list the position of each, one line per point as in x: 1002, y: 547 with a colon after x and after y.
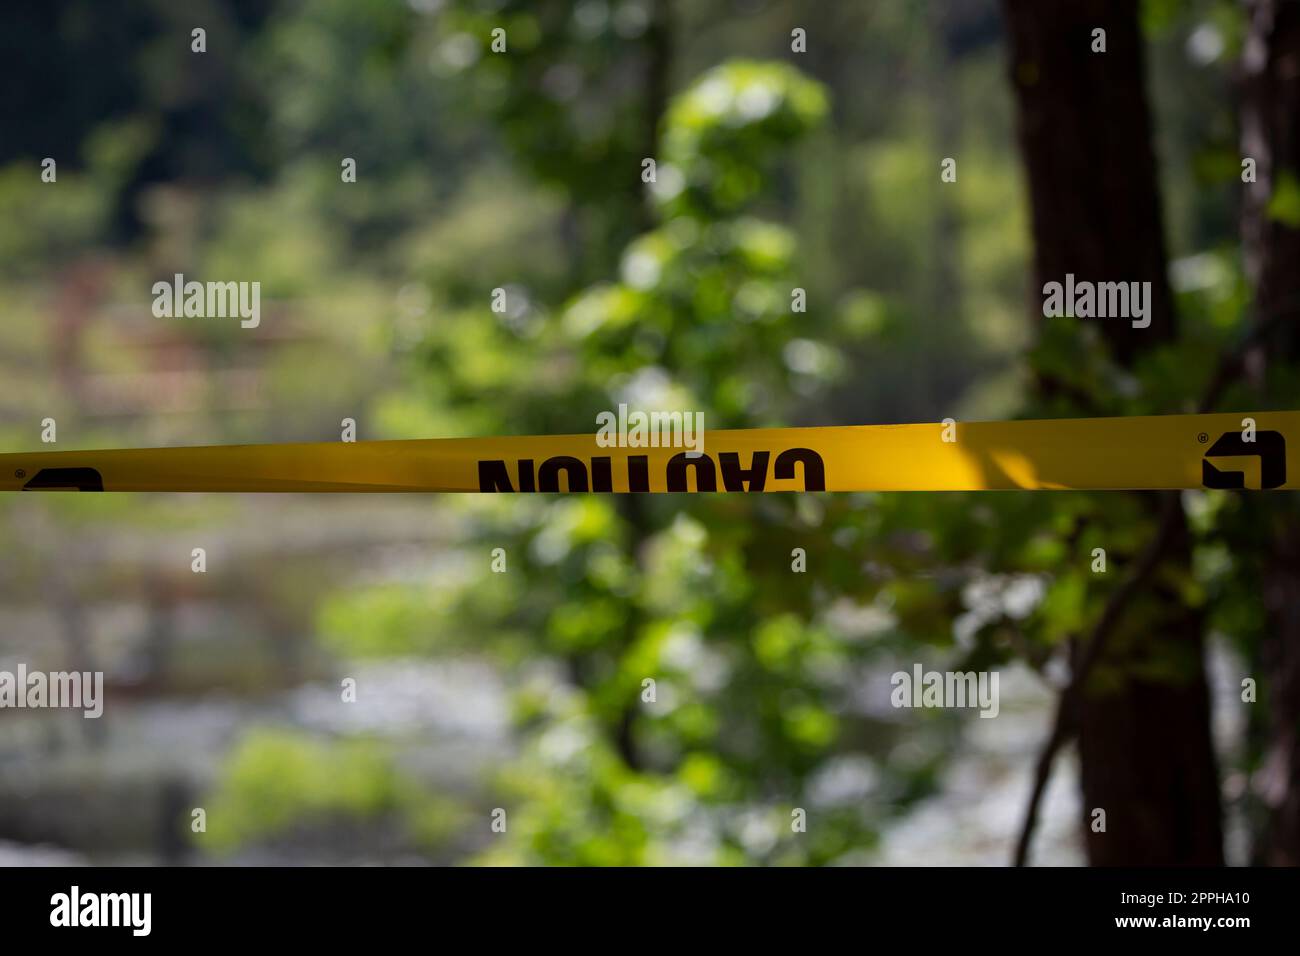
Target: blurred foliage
x: 277, y: 783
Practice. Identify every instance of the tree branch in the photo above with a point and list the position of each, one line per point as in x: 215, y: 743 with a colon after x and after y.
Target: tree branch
x: 1065, y: 723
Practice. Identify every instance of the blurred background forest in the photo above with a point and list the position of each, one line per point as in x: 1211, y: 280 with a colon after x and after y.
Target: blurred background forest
x: 776, y: 170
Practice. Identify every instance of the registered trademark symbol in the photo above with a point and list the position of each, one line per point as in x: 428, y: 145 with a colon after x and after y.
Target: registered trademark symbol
x: 1202, y: 438
x: 20, y: 473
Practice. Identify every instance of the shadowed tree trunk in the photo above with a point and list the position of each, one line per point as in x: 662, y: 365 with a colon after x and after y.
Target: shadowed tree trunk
x: 1145, y: 748
x: 1270, y: 135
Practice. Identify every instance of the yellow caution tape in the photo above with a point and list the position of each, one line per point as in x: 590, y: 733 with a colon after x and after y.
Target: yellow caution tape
x: 1248, y: 450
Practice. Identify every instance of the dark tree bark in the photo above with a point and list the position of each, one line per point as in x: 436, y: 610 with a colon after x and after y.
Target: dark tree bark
x: 1145, y: 748
x: 1270, y: 135
x: 1085, y: 133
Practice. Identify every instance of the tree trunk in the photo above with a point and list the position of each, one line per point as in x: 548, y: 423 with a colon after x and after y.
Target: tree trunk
x: 1145, y: 749
x: 1270, y: 135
